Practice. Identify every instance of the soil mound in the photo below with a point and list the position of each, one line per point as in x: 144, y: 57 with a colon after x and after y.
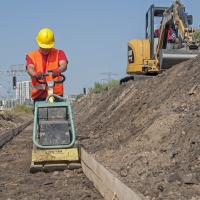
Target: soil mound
x: 148, y: 132
x: 10, y: 119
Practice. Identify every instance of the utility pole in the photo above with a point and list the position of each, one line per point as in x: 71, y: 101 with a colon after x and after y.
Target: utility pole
x: 109, y: 75
x: 16, y: 70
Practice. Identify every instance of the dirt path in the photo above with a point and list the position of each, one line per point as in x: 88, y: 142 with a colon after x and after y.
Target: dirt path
x: 17, y: 183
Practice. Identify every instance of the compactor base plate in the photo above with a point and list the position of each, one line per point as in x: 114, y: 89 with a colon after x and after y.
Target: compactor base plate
x: 54, y: 159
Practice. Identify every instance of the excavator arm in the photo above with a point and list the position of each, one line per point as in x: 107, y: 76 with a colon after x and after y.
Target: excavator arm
x: 185, y: 46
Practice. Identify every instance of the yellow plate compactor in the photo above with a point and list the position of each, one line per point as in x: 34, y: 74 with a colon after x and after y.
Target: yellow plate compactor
x: 53, y: 131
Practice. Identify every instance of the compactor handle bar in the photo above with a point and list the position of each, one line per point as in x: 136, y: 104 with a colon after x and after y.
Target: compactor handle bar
x: 55, y: 82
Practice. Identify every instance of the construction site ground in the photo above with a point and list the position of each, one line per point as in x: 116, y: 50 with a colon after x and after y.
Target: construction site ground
x: 147, y: 132
x: 17, y: 183
x: 10, y: 119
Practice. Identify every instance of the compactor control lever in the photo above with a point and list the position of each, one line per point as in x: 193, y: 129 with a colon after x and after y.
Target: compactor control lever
x: 49, y: 82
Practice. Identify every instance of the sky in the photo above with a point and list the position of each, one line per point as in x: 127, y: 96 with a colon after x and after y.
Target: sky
x: 93, y: 34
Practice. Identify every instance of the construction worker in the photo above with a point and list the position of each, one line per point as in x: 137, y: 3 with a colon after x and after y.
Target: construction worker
x: 157, y: 31
x: 171, y: 34
x: 46, y: 58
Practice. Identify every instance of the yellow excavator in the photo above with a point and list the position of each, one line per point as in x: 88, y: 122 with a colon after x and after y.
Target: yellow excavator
x: 158, y: 51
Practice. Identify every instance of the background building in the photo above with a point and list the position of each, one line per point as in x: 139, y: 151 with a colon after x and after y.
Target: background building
x: 23, y: 92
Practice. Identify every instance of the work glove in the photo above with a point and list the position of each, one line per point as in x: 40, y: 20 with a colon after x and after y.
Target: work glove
x: 56, y: 72
x: 38, y: 75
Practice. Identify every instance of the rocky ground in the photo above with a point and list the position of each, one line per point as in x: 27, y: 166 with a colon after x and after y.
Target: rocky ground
x: 148, y: 132
x: 10, y: 119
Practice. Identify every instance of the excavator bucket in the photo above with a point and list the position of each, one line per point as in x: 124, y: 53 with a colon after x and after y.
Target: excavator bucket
x: 170, y: 57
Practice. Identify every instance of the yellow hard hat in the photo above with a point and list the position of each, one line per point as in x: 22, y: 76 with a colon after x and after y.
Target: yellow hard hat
x: 45, y: 38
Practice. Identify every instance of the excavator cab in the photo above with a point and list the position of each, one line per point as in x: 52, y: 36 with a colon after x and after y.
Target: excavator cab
x: 154, y: 17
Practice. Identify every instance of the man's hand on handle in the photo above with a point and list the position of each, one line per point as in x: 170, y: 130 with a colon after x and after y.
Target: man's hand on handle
x: 56, y: 72
x: 39, y: 75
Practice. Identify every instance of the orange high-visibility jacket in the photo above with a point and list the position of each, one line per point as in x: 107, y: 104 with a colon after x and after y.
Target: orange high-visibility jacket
x: 52, y: 63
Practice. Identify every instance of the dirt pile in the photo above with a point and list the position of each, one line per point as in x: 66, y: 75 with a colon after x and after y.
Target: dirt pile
x: 148, y: 132
x: 10, y: 119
